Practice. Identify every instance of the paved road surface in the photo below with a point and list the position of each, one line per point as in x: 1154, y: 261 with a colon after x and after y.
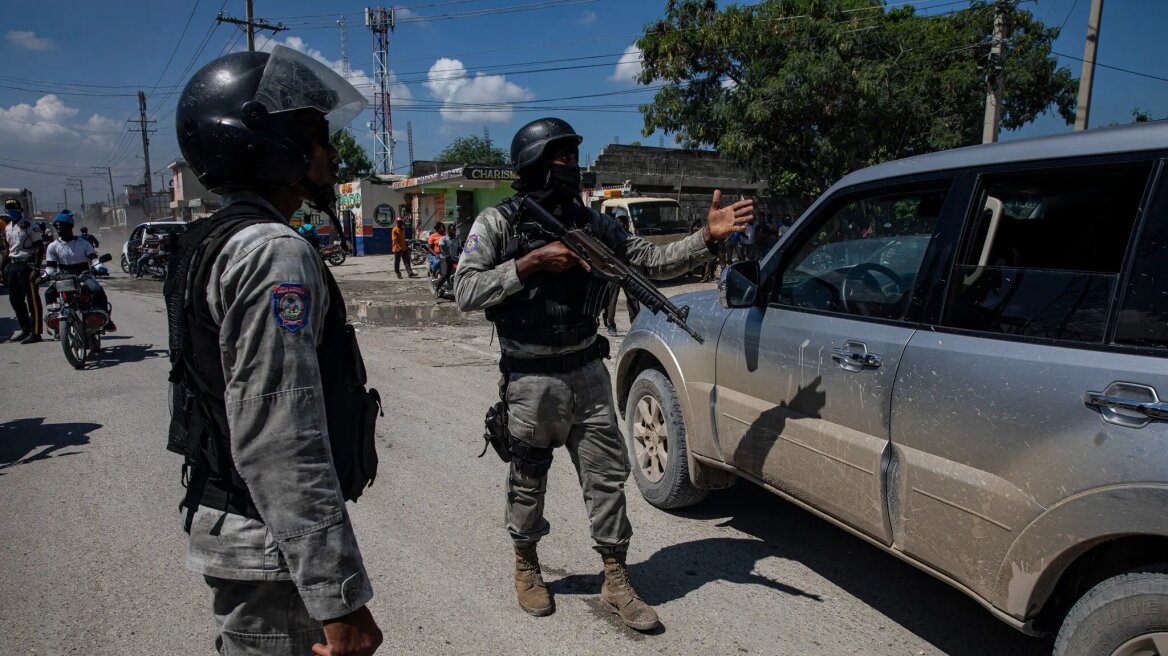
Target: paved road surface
x: 91, y: 550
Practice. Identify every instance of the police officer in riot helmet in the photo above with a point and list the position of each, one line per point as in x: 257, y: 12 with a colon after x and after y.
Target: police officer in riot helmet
x: 555, y: 388
x: 258, y: 346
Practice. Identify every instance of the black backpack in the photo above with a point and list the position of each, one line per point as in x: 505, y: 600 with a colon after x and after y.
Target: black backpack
x: 198, y: 425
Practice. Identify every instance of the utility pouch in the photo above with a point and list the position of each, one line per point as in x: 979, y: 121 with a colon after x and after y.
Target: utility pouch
x: 495, y: 434
x: 182, y: 437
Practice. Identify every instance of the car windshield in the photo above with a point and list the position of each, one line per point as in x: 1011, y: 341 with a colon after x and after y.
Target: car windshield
x: 901, y: 253
x: 657, y: 218
x: 164, y: 229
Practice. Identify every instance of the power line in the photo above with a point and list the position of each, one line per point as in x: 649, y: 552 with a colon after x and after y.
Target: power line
x: 1114, y: 68
x: 175, y: 49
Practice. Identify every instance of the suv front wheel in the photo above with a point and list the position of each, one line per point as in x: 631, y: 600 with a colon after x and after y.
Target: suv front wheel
x: 1126, y: 615
x: 656, y: 439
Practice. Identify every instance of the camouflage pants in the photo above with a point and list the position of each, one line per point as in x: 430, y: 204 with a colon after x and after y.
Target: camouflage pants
x: 573, y: 410
x: 262, y: 618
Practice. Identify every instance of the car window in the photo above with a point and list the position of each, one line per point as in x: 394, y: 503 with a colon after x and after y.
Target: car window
x: 1044, y: 250
x: 136, y: 235
x: 1143, y: 311
x: 863, y: 258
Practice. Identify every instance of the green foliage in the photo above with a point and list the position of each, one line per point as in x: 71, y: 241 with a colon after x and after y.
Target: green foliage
x: 803, y: 91
x: 473, y: 150
x: 355, y: 163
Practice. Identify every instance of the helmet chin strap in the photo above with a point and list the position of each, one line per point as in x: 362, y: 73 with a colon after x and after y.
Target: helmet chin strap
x: 323, y: 198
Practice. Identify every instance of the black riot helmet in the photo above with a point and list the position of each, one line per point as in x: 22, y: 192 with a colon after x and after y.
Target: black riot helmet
x: 240, y: 122
x: 531, y: 143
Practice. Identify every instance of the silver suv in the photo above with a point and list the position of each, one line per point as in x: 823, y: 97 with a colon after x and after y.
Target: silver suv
x: 957, y: 357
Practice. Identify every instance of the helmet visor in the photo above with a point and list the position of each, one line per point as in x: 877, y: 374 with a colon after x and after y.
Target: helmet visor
x: 292, y: 80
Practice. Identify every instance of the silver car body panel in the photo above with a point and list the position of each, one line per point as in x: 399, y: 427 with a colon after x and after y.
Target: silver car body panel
x: 813, y: 425
x: 990, y: 434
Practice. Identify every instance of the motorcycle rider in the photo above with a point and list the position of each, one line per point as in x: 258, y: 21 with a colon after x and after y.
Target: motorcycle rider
x: 449, y: 249
x: 74, y: 255
x: 89, y: 238
x: 151, y: 246
x: 308, y: 231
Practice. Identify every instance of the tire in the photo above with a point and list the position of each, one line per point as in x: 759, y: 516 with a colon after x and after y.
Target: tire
x: 337, y: 258
x: 125, y: 265
x: 653, y: 413
x: 72, y: 335
x: 417, y: 257
x: 1124, y: 615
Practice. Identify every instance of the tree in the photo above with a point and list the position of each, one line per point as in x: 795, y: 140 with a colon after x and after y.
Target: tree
x: 473, y: 150
x: 803, y: 91
x: 355, y: 163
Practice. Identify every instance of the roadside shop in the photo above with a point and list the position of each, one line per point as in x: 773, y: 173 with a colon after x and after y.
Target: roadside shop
x: 455, y: 195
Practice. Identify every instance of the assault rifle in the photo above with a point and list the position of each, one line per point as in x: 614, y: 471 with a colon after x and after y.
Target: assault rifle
x: 607, y: 266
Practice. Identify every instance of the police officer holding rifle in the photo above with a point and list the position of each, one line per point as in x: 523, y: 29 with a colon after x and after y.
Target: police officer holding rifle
x: 530, y: 263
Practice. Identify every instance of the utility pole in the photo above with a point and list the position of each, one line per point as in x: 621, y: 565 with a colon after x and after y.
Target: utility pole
x: 113, y: 197
x: 142, y: 123
x: 995, y: 74
x: 344, y: 47
x: 66, y: 188
x: 250, y: 25
x: 1087, y: 79
x: 410, y: 139
x: 81, y: 184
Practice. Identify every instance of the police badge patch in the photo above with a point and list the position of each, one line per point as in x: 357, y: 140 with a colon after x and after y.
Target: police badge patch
x: 290, y: 305
x: 472, y: 244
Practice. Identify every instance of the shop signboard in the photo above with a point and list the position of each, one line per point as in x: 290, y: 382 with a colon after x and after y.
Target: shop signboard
x: 489, y: 173
x: 350, y: 196
x: 383, y: 217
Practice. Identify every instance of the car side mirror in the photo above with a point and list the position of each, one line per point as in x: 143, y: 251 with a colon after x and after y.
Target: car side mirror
x: 738, y: 287
x: 105, y: 258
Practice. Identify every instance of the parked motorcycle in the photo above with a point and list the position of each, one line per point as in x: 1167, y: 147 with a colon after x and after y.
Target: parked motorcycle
x: 76, y: 322
x: 333, y: 254
x: 419, y: 252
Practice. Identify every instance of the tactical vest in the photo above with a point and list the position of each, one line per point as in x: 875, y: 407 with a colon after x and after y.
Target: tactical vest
x: 198, y: 424
x: 552, y: 309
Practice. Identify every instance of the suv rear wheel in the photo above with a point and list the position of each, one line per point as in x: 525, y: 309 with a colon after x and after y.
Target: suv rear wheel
x: 656, y: 440
x: 1126, y: 615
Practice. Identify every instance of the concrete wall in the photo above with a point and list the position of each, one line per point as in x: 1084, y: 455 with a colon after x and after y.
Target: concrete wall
x: 690, y: 176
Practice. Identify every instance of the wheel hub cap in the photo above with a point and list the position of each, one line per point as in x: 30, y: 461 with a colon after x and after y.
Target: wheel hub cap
x: 1152, y: 644
x: 650, y: 439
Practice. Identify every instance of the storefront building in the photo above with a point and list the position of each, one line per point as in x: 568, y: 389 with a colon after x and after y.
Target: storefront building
x: 455, y: 195
x: 367, y: 209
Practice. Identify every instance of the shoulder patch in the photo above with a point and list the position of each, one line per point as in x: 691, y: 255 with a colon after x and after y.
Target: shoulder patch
x: 472, y: 244
x: 290, y: 305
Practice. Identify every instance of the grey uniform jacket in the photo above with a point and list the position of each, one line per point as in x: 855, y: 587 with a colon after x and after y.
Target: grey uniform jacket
x: 279, y: 436
x: 482, y: 280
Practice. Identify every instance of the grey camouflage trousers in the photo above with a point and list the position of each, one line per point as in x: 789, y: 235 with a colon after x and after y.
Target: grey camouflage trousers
x: 262, y: 618
x: 575, y: 410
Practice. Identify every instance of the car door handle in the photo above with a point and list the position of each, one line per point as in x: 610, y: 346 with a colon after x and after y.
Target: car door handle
x: 854, y: 356
x: 1150, y: 409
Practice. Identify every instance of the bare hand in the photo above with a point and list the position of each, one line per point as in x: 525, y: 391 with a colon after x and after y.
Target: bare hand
x: 355, y: 634
x: 557, y: 257
x: 722, y: 221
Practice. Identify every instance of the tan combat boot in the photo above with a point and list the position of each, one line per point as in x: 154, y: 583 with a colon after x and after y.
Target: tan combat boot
x: 619, y: 594
x: 533, y: 594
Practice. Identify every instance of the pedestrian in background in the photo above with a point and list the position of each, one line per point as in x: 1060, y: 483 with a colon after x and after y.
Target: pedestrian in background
x: 401, y: 251
x: 26, y: 249
x: 89, y: 238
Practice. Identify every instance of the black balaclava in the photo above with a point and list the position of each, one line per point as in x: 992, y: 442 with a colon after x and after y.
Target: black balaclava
x: 555, y: 186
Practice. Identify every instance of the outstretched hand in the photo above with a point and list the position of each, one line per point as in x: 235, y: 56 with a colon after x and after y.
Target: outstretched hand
x: 722, y: 221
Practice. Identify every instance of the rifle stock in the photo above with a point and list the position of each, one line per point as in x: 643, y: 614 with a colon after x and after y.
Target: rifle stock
x: 605, y: 264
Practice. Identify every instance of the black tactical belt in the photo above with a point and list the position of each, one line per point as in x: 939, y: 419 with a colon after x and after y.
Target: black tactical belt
x: 555, y: 364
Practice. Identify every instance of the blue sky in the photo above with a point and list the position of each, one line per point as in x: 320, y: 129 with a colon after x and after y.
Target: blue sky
x: 70, y: 71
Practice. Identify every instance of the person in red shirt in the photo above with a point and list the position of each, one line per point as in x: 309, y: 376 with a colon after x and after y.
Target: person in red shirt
x: 435, y: 249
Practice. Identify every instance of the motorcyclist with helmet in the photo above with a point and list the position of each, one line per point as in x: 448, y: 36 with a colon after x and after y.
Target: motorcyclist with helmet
x: 74, y: 255
x: 258, y: 333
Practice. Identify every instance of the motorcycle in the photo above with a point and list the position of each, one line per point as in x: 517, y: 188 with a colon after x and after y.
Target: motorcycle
x: 419, y: 252
x: 447, y: 288
x: 76, y: 322
x: 155, y: 267
x: 333, y: 254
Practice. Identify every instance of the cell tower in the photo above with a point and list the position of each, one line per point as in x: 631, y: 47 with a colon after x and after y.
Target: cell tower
x: 344, y: 47
x: 380, y: 22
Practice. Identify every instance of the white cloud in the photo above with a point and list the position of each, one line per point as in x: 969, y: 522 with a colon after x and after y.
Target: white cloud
x: 450, y: 83
x: 729, y: 84
x: 399, y: 93
x: 587, y: 18
x: 51, y: 137
x: 28, y: 39
x: 629, y: 66
x: 400, y: 13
